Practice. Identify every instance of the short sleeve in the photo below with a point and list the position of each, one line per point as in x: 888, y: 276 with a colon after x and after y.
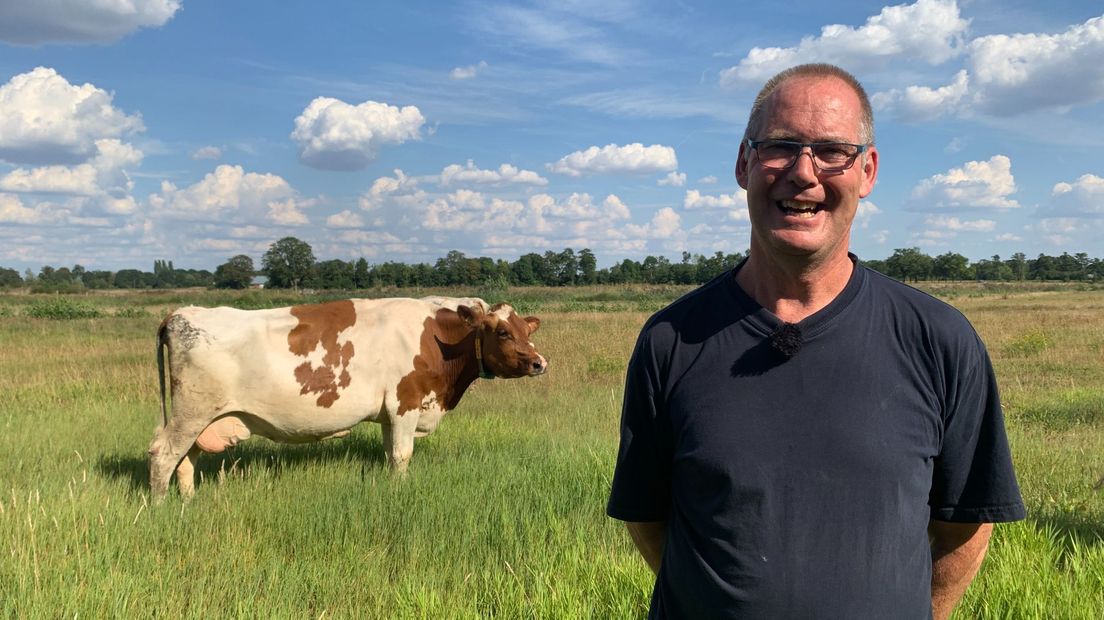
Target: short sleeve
x: 973, y: 479
x: 641, y: 489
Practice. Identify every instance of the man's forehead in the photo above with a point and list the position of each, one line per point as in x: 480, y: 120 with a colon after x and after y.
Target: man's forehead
x: 825, y: 105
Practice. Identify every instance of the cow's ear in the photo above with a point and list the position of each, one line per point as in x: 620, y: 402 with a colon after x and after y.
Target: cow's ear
x: 533, y: 322
x: 471, y: 315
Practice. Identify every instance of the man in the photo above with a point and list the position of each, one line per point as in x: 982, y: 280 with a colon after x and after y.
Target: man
x: 803, y: 437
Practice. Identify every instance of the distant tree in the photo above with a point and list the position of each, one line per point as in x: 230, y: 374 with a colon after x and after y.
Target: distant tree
x: 288, y: 263
x: 628, y: 271
x: 992, y: 269
x: 1018, y: 265
x: 98, y: 279
x: 452, y: 268
x: 1068, y: 267
x: 1042, y: 267
x: 950, y: 266
x: 334, y: 274
x: 164, y: 275
x: 193, y: 277
x: 9, y: 278
x: 236, y: 273
x: 588, y: 267
x: 713, y: 266
x: 567, y: 268
x: 876, y: 265
x: 361, y: 277
x: 525, y: 270
x: 656, y: 269
x: 481, y: 270
x: 58, y: 280
x: 909, y: 264
x: 132, y: 278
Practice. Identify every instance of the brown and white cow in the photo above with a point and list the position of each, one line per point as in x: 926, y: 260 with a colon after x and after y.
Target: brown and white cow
x: 312, y: 372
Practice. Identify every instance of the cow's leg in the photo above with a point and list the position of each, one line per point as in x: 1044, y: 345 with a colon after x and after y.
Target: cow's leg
x: 170, y: 445
x: 398, y: 439
x: 185, y: 472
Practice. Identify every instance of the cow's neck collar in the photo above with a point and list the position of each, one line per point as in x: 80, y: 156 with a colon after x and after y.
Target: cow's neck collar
x: 484, y: 372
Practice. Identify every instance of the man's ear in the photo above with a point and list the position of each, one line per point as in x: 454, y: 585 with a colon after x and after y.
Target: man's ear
x: 742, y: 166
x: 869, y: 171
x: 471, y: 315
x: 533, y: 322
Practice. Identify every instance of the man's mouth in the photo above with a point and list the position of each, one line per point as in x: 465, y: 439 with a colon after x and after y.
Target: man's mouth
x: 799, y: 208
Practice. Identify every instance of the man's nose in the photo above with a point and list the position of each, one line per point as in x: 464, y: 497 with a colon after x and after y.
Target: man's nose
x: 804, y: 170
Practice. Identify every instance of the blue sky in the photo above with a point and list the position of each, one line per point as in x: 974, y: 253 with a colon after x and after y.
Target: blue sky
x: 194, y: 131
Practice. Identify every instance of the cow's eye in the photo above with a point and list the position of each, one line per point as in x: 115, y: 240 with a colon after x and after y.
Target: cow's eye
x: 503, y: 334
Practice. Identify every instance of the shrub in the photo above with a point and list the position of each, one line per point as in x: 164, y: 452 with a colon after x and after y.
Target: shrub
x: 60, y: 308
x: 1028, y: 343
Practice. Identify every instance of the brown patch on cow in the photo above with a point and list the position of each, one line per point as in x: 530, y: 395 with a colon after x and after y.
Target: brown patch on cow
x: 444, y: 364
x: 320, y: 324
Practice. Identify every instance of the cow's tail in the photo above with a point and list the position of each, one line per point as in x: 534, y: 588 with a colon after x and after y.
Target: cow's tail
x: 163, y: 350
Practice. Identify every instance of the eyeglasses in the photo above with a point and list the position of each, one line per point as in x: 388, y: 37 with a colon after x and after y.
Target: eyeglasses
x: 826, y: 156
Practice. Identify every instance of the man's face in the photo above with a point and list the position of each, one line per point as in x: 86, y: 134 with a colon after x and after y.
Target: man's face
x: 802, y: 212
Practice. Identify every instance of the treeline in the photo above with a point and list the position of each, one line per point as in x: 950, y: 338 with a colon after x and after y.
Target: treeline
x: 912, y: 264
x: 290, y: 263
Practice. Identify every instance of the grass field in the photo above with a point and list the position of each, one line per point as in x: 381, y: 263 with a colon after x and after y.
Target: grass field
x: 503, y: 513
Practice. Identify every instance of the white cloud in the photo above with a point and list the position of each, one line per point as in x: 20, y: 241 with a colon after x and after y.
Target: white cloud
x: 1013, y: 74
x: 1021, y: 72
x: 866, y: 211
x: 1082, y: 198
x: 286, y: 212
x: 674, y: 179
x: 104, y: 178
x: 230, y: 191
x: 580, y: 206
x: 506, y: 173
x: 709, y: 180
x: 1008, y: 237
x: 46, y: 120
x: 80, y: 21
x: 459, y: 210
x: 1059, y: 231
x: 13, y: 211
x: 367, y: 237
x: 468, y: 72
x: 614, y: 159
x: 334, y: 135
x: 978, y: 184
x: 345, y: 219
x: 954, y: 224
x: 385, y: 187
x: 207, y: 152
x: 696, y: 200
x: 929, y: 30
x: 665, y: 224
x: 920, y: 103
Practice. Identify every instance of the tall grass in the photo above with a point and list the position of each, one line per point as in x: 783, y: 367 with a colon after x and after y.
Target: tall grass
x: 502, y: 514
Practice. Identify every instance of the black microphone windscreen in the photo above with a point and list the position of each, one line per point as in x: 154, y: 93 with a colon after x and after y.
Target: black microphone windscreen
x: 787, y: 340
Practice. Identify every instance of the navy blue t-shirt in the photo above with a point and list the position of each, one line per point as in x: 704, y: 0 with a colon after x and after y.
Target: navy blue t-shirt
x: 802, y: 487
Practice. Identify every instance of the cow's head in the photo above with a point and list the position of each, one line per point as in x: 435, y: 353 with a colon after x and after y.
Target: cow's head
x: 504, y: 339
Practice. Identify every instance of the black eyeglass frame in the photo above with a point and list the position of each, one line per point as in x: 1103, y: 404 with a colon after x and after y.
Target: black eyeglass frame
x: 861, y: 148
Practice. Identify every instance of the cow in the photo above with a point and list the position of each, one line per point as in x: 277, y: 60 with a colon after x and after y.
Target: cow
x: 314, y: 371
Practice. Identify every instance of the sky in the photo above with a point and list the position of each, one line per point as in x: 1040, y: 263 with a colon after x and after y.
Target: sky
x: 137, y: 130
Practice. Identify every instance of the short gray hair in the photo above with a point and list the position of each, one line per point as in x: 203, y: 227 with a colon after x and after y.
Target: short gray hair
x: 814, y: 70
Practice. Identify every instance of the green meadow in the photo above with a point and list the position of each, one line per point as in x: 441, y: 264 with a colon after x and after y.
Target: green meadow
x: 502, y: 515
